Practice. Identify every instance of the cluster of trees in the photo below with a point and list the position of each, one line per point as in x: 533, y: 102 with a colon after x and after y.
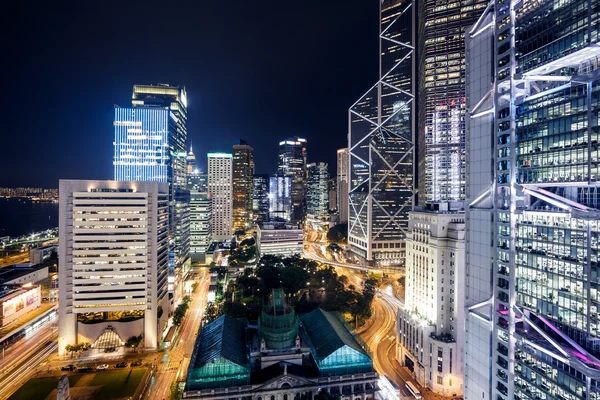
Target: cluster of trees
x: 307, y: 286
x: 134, y: 341
x: 181, y: 310
x: 338, y: 234
x: 74, y: 348
x: 242, y: 255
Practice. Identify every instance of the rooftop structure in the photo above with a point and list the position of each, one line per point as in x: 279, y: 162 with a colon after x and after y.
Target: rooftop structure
x: 334, y: 348
x: 278, y: 325
x: 220, y: 356
x: 22, y: 274
x: 229, y: 362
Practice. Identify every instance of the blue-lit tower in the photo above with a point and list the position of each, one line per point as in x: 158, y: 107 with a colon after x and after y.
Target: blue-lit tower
x: 149, y: 145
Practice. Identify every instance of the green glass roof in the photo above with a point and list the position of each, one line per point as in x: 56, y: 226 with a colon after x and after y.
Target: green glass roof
x: 223, y: 338
x: 327, y: 333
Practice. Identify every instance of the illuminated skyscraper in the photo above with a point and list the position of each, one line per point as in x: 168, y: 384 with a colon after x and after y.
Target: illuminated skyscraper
x: 533, y: 234
x: 200, y: 224
x: 441, y: 100
x: 332, y: 189
x: 220, y: 192
x: 190, y: 162
x: 292, y: 163
x: 381, y: 144
x: 342, y: 184
x: 113, y: 254
x: 150, y: 146
x: 317, y: 198
x: 260, y: 198
x: 243, y: 171
x: 280, y: 198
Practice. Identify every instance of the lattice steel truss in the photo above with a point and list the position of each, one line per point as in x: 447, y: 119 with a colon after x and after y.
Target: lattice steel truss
x: 382, y: 144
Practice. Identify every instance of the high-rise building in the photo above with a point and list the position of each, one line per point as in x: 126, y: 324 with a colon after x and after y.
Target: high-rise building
x: 200, y: 224
x: 220, y: 192
x: 533, y: 101
x: 150, y: 146
x: 142, y: 144
x: 190, y: 162
x: 317, y: 197
x: 332, y: 190
x: 113, y: 255
x: 441, y: 101
x: 198, y: 181
x: 260, y: 198
x: 342, y: 184
x: 430, y: 326
x: 381, y: 144
x: 243, y: 171
x: 292, y: 163
x: 280, y: 198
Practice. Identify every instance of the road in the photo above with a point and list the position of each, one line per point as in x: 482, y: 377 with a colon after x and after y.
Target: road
x: 175, y: 361
x: 20, y: 361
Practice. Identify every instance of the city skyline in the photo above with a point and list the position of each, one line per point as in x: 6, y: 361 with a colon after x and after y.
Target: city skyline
x: 82, y: 131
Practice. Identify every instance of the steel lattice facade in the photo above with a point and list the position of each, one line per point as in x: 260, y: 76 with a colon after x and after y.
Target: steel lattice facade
x: 382, y: 145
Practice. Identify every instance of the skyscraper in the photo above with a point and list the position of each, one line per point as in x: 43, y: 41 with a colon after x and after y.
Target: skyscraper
x: 332, y: 189
x: 190, y: 162
x: 292, y: 163
x: 150, y: 146
x: 532, y: 189
x: 243, y: 171
x: 317, y: 198
x: 280, y: 198
x: 200, y: 224
x: 260, y: 198
x: 220, y: 192
x: 342, y: 184
x: 441, y: 100
x: 113, y: 254
x: 198, y: 181
x: 381, y: 144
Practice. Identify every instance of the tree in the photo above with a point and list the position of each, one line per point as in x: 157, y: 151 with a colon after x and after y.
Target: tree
x: 134, y: 341
x: 180, y: 313
x: 211, y: 313
x: 338, y: 234
x: 194, y: 287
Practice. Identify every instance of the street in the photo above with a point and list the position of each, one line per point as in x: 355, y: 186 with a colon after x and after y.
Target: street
x: 173, y: 364
x: 20, y: 361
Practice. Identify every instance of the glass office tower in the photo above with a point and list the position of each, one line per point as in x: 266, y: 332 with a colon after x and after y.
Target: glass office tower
x: 292, y: 163
x: 381, y: 144
x: 260, y: 198
x: 317, y: 197
x: 533, y: 98
x: 280, y: 198
x: 150, y: 146
x: 441, y: 100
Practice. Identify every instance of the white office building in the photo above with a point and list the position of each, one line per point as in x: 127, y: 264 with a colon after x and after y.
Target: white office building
x: 430, y: 327
x: 279, y: 238
x: 200, y: 224
x: 113, y: 261
x: 221, y: 191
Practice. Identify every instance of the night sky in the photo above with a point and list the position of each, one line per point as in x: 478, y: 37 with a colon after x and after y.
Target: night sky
x: 259, y: 70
